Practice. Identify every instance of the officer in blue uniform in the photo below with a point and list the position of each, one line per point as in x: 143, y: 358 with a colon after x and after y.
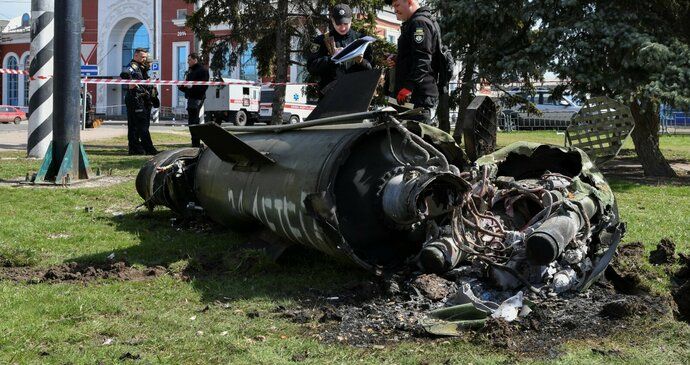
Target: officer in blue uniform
x: 324, y: 46
x: 139, y: 101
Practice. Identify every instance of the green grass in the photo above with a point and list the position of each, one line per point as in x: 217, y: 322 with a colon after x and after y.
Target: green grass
x: 673, y: 146
x: 68, y: 323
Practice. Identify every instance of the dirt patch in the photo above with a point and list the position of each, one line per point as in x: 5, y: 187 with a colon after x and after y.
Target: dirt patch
x: 682, y: 298
x: 664, y: 254
x: 95, y: 182
x: 434, y: 287
x: 629, y: 168
x: 626, y: 272
x: 387, y: 317
x: 625, y: 308
x: 75, y: 272
x: 499, y: 333
x: 387, y: 311
x: 681, y: 291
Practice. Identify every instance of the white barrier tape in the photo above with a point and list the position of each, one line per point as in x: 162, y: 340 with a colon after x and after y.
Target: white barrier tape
x: 119, y: 81
x: 183, y: 83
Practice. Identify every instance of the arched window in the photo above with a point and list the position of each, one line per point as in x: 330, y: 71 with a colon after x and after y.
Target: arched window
x: 12, y: 82
x: 27, y: 65
x: 136, y: 37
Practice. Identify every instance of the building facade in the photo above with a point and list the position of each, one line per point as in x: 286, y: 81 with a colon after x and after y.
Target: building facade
x: 112, y: 29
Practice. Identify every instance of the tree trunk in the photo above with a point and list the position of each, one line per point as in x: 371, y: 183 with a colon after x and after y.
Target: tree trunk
x: 281, y: 73
x: 646, y: 139
x: 464, y: 100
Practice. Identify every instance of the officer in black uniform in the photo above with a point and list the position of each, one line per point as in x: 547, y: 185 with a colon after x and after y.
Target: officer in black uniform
x: 415, y: 77
x: 323, y: 47
x: 196, y: 94
x: 139, y: 101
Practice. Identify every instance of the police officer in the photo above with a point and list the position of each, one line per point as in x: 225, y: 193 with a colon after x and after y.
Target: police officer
x: 323, y: 47
x: 196, y: 94
x: 139, y: 101
x: 415, y: 77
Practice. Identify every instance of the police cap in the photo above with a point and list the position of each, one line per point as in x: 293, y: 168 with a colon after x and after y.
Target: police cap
x: 341, y: 14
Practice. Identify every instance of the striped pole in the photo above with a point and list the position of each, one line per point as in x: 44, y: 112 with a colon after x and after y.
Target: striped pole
x: 41, y: 82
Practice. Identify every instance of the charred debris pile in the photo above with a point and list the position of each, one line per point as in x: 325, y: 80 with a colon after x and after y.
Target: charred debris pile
x: 515, y: 227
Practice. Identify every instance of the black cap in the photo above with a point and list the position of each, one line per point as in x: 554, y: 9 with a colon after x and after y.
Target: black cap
x: 341, y: 13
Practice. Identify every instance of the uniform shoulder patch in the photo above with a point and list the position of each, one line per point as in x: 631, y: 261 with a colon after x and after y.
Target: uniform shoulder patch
x: 314, y: 47
x: 133, y: 66
x: 419, y: 35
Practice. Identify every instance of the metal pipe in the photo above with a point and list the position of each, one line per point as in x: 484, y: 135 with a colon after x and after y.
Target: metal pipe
x: 341, y: 119
x: 67, y: 78
x: 550, y: 240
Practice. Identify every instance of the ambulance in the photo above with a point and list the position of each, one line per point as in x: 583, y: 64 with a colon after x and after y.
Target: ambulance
x: 297, y: 105
x: 235, y: 103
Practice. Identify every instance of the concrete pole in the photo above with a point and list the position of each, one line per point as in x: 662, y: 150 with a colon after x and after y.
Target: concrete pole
x: 198, y: 44
x: 67, y: 76
x: 41, y: 90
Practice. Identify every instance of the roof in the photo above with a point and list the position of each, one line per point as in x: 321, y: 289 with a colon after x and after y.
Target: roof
x: 18, y: 24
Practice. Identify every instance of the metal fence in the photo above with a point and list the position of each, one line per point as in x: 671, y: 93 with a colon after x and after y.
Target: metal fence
x: 674, y: 121
x: 509, y: 121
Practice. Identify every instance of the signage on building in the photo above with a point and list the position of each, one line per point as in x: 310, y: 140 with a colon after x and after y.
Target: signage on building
x: 88, y: 50
x: 89, y: 70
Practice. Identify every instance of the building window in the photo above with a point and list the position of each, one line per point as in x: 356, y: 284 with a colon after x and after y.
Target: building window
x: 181, y: 14
x: 392, y: 36
x: 181, y: 54
x: 27, y: 65
x: 136, y: 37
x: 248, y: 66
x: 12, y: 82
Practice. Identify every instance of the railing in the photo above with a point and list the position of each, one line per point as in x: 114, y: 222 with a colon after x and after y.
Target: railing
x: 674, y: 121
x: 509, y: 120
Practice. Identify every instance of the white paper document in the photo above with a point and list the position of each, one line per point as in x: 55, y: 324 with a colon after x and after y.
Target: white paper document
x: 353, y: 50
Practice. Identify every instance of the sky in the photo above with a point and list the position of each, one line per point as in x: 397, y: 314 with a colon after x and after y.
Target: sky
x: 13, y: 8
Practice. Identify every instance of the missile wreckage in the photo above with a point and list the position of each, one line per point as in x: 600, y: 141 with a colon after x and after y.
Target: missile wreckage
x: 383, y: 192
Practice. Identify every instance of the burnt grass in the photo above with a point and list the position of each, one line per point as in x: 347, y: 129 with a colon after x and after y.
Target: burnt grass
x: 387, y: 311
x: 369, y: 314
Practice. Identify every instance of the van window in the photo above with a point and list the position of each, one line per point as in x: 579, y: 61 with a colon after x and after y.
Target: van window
x: 267, y: 96
x: 245, y: 91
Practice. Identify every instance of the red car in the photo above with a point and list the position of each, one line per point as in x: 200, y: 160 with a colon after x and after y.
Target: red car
x: 9, y: 113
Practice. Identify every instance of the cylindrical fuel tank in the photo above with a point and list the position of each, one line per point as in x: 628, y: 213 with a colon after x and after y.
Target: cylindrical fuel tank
x: 323, y: 191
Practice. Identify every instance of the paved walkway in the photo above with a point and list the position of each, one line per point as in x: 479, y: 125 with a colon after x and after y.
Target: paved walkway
x: 14, y: 137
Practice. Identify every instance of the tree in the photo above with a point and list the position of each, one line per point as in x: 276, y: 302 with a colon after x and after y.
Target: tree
x: 279, y: 30
x: 635, y: 51
x: 494, y: 40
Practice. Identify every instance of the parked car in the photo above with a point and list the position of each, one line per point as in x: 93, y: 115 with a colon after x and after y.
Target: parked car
x: 555, y: 112
x: 11, y: 113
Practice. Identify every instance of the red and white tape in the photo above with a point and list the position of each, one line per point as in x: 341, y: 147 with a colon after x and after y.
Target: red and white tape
x: 22, y: 72
x: 119, y: 81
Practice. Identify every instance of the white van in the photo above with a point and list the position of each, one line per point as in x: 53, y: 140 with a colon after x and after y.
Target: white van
x: 297, y: 105
x: 238, y: 104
